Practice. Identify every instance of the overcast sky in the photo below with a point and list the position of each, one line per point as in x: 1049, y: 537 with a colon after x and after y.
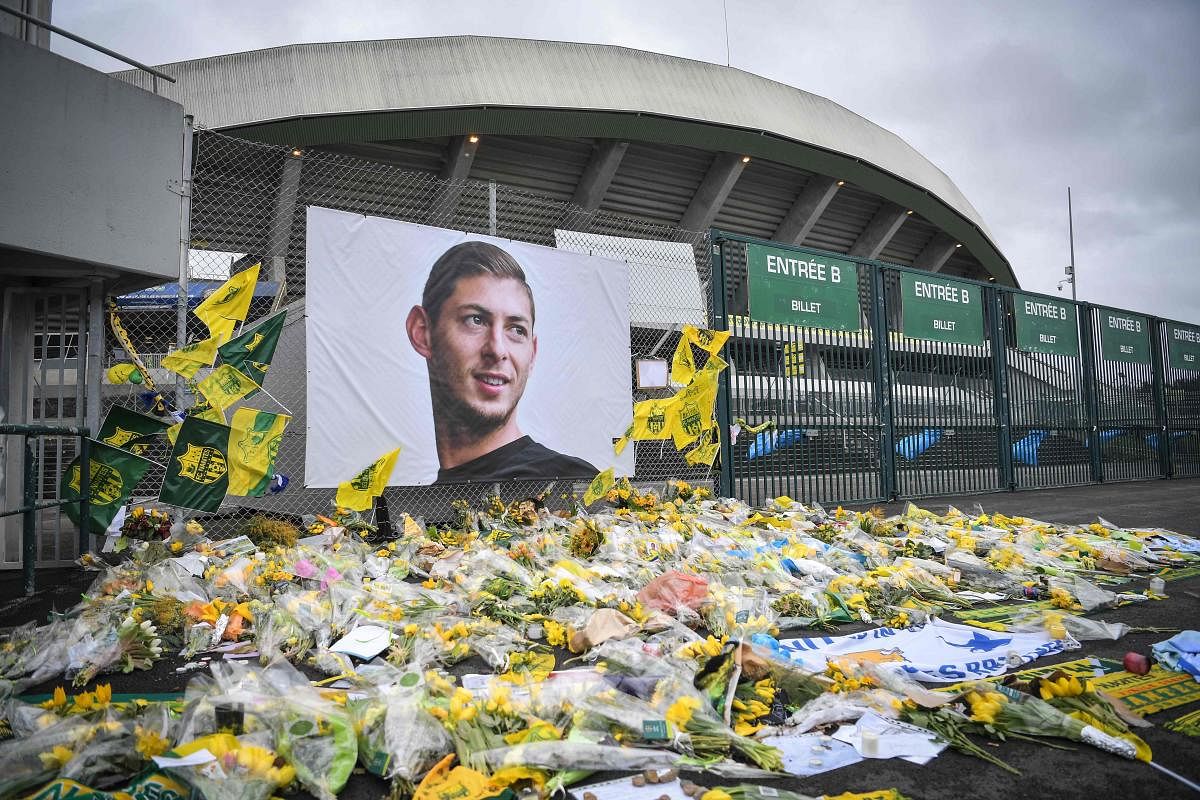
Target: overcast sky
x: 1015, y: 101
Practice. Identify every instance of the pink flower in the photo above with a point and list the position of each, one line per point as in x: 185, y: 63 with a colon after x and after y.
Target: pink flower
x: 304, y: 569
x: 330, y: 576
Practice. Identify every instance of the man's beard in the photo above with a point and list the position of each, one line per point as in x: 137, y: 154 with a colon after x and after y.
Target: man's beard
x: 456, y: 417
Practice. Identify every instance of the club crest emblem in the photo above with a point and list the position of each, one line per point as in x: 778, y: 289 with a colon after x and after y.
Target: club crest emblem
x: 202, y: 464
x: 107, y: 483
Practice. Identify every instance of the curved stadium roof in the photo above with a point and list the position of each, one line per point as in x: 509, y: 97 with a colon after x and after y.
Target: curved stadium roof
x: 628, y: 131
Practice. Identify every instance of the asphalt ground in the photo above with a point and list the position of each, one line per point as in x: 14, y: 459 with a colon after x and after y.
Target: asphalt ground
x: 1079, y: 772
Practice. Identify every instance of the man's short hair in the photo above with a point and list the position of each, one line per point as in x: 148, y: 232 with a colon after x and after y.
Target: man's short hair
x: 467, y: 260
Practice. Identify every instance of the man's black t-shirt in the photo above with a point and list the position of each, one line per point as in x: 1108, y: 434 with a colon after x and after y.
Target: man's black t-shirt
x: 523, y: 458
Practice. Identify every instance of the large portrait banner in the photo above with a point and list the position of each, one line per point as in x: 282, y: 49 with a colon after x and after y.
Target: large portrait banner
x: 481, y: 358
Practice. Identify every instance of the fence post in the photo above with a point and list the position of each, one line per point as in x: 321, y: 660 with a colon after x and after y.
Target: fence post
x: 28, y: 519
x: 185, y: 242
x: 720, y: 322
x: 1087, y: 349
x: 1000, y: 405
x: 881, y: 369
x: 1157, y: 366
x: 85, y: 492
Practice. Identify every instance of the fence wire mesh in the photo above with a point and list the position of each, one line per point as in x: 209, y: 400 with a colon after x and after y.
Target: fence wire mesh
x: 248, y: 206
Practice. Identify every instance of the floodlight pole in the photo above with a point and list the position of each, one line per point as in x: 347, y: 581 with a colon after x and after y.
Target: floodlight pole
x: 1071, y: 239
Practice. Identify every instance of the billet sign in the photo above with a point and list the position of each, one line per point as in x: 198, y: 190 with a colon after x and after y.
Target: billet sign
x: 793, y: 287
x: 1124, y: 337
x: 941, y: 309
x: 1046, y: 325
x: 1183, y: 346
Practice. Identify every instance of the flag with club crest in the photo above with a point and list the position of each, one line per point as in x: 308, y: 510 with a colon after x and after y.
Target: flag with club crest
x: 222, y: 310
x: 358, y: 493
x: 112, y: 474
x: 251, y: 353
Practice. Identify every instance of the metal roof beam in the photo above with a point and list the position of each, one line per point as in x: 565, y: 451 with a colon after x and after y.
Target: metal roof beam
x: 936, y: 253
x: 809, y: 206
x: 283, y: 213
x: 598, y: 174
x: 459, y: 155
x: 879, y: 231
x: 707, y: 201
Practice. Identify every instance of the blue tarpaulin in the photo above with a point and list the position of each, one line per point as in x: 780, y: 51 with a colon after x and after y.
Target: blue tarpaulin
x: 1152, y: 439
x: 1026, y: 450
x: 167, y: 295
x: 768, y: 442
x: 1105, y: 436
x: 912, y: 446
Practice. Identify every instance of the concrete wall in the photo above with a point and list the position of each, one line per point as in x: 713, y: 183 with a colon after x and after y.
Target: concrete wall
x: 87, y: 163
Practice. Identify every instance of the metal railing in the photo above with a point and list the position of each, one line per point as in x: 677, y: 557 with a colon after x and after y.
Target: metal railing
x: 86, y: 43
x: 30, y: 506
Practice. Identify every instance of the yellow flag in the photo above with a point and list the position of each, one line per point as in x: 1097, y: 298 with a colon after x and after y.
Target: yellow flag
x: 651, y: 419
x: 253, y: 445
x: 692, y: 411
x: 173, y: 432
x: 599, y: 486
x: 709, y: 341
x: 683, y: 366
x: 188, y: 360
x: 357, y: 493
x: 208, y: 412
x: 619, y: 444
x: 225, y: 386
x: 703, y: 454
x: 222, y: 310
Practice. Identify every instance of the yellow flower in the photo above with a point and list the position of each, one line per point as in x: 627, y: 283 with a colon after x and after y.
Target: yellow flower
x: 680, y: 712
x: 85, y: 701
x: 58, y: 700
x: 57, y: 757
x: 716, y: 794
x: 103, y: 694
x: 149, y: 743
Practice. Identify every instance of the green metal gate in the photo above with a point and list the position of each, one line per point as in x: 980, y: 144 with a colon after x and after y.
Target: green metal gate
x: 944, y: 385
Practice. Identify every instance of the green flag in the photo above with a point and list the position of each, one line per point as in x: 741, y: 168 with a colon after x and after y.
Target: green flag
x: 127, y: 429
x: 198, y: 469
x: 251, y: 353
x: 112, y: 474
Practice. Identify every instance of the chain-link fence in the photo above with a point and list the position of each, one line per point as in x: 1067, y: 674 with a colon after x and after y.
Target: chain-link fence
x: 248, y: 206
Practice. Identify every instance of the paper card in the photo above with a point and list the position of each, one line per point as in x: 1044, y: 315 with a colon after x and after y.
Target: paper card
x: 623, y: 789
x: 801, y: 754
x: 192, y: 760
x: 894, y: 739
x: 194, y: 563
x: 365, y: 642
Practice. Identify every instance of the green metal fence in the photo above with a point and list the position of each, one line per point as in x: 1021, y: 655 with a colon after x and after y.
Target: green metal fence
x: 1010, y: 390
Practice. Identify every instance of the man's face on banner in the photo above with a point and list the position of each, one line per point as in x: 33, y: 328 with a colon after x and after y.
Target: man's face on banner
x: 482, y: 348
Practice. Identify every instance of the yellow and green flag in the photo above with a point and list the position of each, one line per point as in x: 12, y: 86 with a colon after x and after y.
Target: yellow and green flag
x: 652, y: 419
x: 129, y: 430
x: 358, y: 493
x: 709, y: 341
x: 693, y: 408
x: 123, y: 373
x: 225, y: 386
x: 222, y: 310
x: 252, y: 352
x: 683, y: 365
x: 703, y: 454
x: 599, y: 486
x: 112, y: 474
x: 198, y: 469
x: 189, y: 359
x: 253, y: 447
